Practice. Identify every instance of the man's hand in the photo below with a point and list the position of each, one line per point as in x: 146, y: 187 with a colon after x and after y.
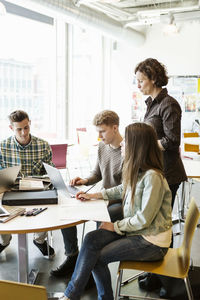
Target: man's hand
x: 107, y: 225
x: 78, y: 181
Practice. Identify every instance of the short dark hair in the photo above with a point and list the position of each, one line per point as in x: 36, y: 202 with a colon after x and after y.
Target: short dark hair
x: 18, y: 116
x: 107, y: 117
x: 154, y: 70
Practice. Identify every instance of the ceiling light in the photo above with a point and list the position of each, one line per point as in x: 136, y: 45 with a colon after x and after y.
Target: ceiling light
x: 171, y: 28
x: 2, y: 9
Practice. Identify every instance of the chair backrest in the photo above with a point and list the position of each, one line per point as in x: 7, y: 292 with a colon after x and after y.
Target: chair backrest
x: 83, y: 129
x: 190, y: 134
x: 59, y: 155
x: 189, y: 228
x: 10, y: 290
x: 191, y: 147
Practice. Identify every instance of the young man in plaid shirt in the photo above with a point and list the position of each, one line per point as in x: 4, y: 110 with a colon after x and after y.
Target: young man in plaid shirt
x: 28, y: 151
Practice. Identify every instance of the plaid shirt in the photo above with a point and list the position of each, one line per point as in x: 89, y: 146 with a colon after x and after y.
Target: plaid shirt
x: 29, y: 156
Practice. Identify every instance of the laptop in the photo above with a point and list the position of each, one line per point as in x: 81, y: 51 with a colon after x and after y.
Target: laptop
x: 58, y: 182
x: 8, y: 176
x: 16, y: 198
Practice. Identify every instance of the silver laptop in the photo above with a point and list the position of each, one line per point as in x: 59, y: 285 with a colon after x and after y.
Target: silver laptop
x: 58, y: 182
x: 8, y: 176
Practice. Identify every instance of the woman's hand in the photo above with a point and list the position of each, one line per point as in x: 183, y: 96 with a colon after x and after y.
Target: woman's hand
x: 83, y: 196
x: 107, y: 225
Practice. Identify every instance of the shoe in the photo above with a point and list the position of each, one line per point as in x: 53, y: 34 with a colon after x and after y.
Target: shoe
x: 163, y: 293
x: 150, y: 283
x: 63, y: 298
x: 91, y: 283
x: 2, y: 247
x: 44, y: 249
x: 66, y: 268
x: 143, y: 276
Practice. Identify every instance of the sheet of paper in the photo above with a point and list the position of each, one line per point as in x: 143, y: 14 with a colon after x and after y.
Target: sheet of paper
x: 93, y: 210
x: 31, y: 185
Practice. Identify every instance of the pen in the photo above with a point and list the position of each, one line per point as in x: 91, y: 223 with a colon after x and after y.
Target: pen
x: 39, y: 211
x: 90, y: 188
x: 88, y: 191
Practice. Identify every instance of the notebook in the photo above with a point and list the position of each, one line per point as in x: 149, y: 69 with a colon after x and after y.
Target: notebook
x: 30, y: 198
x: 31, y: 185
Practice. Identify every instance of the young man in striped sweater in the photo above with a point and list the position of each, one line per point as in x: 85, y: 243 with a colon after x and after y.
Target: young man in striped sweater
x: 108, y: 168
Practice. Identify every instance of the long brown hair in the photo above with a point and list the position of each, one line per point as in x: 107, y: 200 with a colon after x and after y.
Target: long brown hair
x: 141, y: 154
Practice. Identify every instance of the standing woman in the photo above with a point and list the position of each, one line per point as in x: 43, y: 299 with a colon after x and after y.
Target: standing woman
x: 164, y: 114
x: 145, y: 232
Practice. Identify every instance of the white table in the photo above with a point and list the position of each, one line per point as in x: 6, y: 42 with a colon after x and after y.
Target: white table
x: 51, y: 219
x: 192, y: 169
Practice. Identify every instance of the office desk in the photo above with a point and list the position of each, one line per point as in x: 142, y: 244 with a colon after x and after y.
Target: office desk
x: 192, y: 169
x: 51, y: 219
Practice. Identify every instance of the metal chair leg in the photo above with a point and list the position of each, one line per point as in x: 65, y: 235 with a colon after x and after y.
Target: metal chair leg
x: 188, y: 288
x: 83, y: 233
x: 118, y: 285
x: 132, y: 278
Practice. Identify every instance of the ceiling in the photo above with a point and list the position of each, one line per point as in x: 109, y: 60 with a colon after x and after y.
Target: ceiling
x: 135, y: 13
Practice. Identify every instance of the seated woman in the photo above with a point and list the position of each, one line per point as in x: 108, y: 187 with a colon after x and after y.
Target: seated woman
x: 145, y: 232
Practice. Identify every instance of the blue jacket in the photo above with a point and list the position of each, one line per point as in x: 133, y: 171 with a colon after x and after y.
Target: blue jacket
x: 151, y: 212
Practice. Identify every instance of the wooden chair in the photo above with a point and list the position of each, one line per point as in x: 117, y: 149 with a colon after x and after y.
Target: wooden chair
x: 175, y: 263
x: 10, y: 290
x: 191, y: 147
x: 190, y: 134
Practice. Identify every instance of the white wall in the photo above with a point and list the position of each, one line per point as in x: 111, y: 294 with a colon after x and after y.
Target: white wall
x: 180, y: 54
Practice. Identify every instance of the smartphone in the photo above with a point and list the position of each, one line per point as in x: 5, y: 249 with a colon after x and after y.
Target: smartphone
x: 3, y: 212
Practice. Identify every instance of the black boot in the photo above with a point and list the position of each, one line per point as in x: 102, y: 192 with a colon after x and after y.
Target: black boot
x: 150, y: 283
x: 66, y: 268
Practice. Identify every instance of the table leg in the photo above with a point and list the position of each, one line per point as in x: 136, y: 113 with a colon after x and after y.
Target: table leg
x: 22, y: 258
x: 182, y: 206
x: 23, y: 275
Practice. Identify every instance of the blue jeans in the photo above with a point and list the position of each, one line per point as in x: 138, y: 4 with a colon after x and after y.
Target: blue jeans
x: 70, y: 234
x: 101, y: 247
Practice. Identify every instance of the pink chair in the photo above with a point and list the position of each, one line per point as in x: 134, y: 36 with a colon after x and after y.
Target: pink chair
x: 59, y: 155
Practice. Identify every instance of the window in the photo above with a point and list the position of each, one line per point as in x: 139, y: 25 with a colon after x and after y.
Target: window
x: 28, y: 73
x: 86, y: 97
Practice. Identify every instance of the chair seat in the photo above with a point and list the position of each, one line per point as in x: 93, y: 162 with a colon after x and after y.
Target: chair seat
x: 175, y: 263
x: 171, y: 265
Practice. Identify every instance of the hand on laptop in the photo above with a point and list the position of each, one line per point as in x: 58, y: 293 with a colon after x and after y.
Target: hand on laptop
x: 78, y: 181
